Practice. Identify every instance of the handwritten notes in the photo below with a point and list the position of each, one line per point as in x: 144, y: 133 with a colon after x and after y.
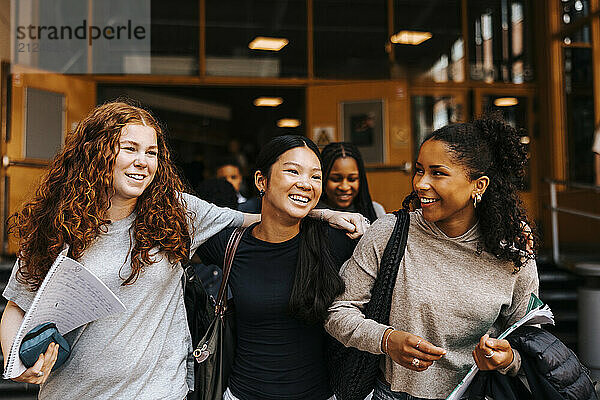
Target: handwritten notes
x: 70, y: 296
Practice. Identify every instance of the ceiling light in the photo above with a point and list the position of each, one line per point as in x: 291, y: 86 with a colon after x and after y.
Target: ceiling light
x: 268, y: 101
x: 506, y: 101
x: 410, y: 37
x: 267, y: 43
x: 288, y: 123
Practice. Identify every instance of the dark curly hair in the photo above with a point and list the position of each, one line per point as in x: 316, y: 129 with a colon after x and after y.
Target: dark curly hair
x: 332, y: 152
x: 491, y: 147
x: 70, y: 204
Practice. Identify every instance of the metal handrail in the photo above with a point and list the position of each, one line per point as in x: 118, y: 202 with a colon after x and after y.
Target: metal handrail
x: 576, y: 185
x: 555, y: 209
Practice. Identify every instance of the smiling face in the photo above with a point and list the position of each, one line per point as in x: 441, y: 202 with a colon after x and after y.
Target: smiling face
x: 445, y: 190
x: 135, y: 164
x: 293, y: 186
x: 343, y: 182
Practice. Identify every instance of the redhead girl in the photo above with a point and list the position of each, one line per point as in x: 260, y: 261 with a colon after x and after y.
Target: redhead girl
x: 114, y: 197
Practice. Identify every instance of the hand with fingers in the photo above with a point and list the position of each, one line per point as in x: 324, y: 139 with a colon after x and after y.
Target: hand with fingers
x: 40, y: 371
x: 355, y: 224
x: 410, y: 351
x: 491, y: 354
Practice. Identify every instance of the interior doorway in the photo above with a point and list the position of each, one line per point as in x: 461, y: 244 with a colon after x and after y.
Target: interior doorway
x: 207, y: 124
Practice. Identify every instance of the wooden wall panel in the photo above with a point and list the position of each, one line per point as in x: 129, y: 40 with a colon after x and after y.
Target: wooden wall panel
x: 323, y: 109
x: 23, y: 174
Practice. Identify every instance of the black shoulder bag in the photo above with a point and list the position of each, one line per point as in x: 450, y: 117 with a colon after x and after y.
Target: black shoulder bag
x: 352, y: 372
x: 215, y: 350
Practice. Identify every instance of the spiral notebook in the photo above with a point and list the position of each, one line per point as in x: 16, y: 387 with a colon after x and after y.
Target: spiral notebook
x: 70, y: 296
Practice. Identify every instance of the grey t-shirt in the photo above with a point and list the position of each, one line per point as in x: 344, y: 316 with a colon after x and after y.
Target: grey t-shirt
x: 144, y: 352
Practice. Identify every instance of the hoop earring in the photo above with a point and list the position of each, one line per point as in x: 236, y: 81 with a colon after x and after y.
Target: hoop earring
x: 476, y: 199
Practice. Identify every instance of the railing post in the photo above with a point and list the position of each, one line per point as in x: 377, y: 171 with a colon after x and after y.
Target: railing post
x: 554, y: 211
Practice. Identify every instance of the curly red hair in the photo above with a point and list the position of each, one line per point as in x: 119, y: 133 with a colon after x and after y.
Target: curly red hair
x: 70, y: 204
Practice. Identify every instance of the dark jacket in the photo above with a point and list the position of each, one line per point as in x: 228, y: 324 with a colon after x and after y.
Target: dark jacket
x: 551, y: 369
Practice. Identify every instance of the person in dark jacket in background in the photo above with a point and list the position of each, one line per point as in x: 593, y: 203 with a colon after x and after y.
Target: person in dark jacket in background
x: 220, y: 192
x: 549, y: 370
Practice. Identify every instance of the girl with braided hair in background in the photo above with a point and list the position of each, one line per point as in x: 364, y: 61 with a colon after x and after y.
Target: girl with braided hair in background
x: 345, y: 186
x: 468, y: 269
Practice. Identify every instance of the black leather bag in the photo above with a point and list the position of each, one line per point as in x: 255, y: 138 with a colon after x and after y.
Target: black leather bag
x: 215, y: 351
x: 352, y: 372
x: 199, y: 307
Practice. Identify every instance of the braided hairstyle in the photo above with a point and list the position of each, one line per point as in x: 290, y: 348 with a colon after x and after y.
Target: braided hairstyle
x: 489, y: 146
x: 330, y: 154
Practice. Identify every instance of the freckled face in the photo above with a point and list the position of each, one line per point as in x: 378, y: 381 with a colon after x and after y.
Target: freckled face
x: 343, y: 182
x: 293, y: 187
x: 444, y: 188
x: 136, y: 162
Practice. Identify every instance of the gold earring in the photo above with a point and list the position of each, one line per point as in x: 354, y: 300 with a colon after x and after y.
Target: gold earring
x: 476, y: 199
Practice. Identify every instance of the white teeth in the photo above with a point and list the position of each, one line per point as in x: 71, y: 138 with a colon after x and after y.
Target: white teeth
x: 136, y: 176
x: 301, y: 199
x: 427, y: 201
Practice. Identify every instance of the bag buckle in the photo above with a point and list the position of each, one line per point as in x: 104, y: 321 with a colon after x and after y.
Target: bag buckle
x: 201, y: 354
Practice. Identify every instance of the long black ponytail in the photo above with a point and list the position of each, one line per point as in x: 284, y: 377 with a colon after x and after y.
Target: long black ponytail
x: 316, y: 280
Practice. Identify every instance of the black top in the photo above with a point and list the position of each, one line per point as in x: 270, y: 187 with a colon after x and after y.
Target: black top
x: 277, y: 356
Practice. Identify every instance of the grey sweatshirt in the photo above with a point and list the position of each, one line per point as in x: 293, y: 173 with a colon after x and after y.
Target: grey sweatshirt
x: 447, y: 291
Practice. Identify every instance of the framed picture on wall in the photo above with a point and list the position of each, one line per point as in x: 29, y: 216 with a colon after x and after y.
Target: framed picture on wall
x: 363, y: 125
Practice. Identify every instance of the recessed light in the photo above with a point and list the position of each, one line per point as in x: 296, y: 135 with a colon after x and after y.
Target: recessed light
x: 288, y: 123
x: 506, y: 101
x: 410, y: 37
x: 268, y: 101
x: 268, y: 43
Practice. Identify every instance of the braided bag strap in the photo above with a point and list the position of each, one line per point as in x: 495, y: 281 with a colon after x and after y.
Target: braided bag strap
x: 378, y: 308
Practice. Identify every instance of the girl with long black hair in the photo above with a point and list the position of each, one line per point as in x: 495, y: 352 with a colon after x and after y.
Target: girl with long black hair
x: 467, y: 273
x: 345, y: 185
x: 283, y: 279
x: 113, y: 195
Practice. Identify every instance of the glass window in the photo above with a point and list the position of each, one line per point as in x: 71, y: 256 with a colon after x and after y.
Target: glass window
x: 579, y: 112
x: 81, y: 37
x: 433, y: 112
x: 500, y: 40
x: 573, y: 11
x: 579, y: 36
x: 441, y: 56
x: 175, y: 38
x: 44, y: 123
x: 350, y: 38
x: 232, y: 29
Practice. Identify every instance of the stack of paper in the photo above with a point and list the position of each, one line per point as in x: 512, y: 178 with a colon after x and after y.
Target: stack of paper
x: 538, y: 313
x: 70, y: 296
